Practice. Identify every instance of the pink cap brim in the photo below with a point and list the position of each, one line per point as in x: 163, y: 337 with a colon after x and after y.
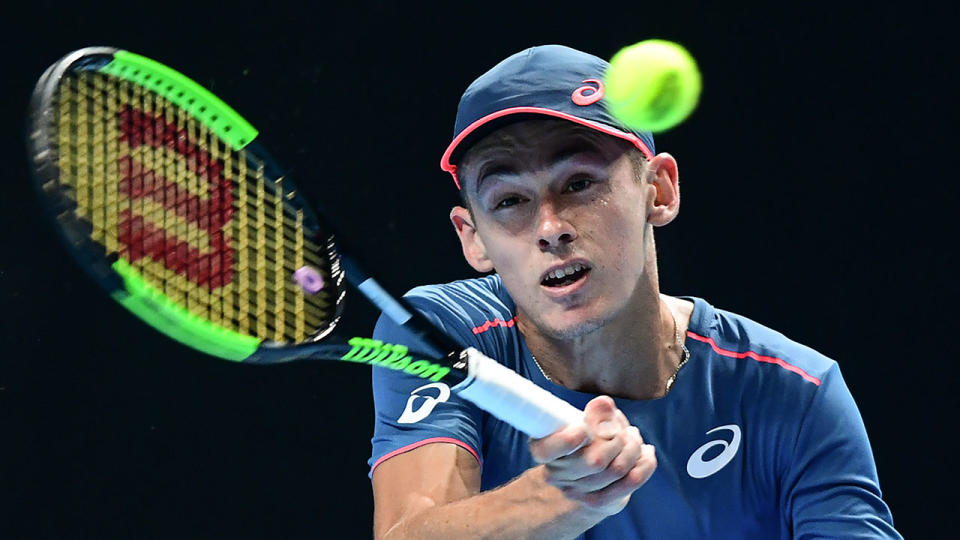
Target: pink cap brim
x: 446, y: 165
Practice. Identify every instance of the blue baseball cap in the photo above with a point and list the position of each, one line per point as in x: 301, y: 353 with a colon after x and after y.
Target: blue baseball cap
x: 550, y: 80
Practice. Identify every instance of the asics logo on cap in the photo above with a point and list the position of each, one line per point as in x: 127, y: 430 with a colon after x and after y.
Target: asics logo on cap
x: 698, y: 468
x: 411, y: 416
x: 596, y: 93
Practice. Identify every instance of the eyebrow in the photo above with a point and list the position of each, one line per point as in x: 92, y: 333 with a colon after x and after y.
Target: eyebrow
x: 575, y: 148
x: 583, y: 145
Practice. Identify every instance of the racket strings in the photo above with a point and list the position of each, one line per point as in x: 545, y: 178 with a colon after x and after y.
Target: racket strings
x: 201, y: 222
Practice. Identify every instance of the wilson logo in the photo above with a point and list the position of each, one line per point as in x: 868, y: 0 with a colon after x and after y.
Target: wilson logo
x: 697, y: 467
x: 395, y: 357
x: 582, y: 98
x: 411, y: 415
x: 155, y: 176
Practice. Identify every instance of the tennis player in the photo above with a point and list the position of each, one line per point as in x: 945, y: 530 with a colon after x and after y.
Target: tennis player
x: 700, y: 423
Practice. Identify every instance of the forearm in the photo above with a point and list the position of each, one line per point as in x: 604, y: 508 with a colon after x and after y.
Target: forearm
x: 526, y: 507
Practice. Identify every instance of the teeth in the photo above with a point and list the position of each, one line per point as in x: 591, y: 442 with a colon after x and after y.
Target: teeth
x: 569, y: 270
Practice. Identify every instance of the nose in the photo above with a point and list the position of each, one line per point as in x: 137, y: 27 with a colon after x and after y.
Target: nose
x: 553, y: 230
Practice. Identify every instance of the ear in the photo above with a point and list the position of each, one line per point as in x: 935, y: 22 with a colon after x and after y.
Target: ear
x: 473, y: 249
x: 663, y: 202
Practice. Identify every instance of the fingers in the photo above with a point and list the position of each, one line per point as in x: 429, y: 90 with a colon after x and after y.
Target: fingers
x: 599, y: 463
x: 560, y: 444
x: 601, y: 419
x: 616, y: 495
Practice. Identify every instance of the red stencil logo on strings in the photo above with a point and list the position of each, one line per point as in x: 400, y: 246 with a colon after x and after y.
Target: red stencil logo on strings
x: 211, y: 267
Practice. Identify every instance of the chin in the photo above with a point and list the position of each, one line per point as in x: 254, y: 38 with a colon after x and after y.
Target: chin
x: 573, y: 329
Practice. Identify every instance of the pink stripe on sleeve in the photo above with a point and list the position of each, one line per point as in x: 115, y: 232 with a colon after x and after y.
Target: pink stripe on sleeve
x: 496, y: 322
x: 418, y: 444
x: 759, y: 358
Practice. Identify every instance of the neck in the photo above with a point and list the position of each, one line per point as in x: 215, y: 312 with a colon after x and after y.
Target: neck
x: 632, y: 356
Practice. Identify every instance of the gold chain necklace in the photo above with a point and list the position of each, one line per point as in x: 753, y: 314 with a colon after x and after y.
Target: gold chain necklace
x: 671, y: 380
x: 683, y: 359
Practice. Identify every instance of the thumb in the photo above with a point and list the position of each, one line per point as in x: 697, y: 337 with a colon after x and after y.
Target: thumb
x: 601, y: 417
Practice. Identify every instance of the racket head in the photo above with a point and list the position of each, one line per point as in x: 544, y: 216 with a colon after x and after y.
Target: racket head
x: 165, y: 199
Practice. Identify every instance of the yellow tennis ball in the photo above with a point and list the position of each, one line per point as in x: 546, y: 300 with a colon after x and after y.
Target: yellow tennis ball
x: 652, y: 85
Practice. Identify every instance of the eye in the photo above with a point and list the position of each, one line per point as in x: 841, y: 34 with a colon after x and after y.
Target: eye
x: 507, y: 202
x: 580, y: 184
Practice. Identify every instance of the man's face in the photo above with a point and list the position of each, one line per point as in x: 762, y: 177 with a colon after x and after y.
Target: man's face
x: 559, y: 213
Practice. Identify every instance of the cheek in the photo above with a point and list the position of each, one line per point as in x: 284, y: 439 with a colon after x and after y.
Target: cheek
x: 609, y: 220
x: 619, y: 235
x: 505, y: 251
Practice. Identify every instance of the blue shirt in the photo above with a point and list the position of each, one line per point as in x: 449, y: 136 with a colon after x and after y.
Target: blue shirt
x: 759, y: 437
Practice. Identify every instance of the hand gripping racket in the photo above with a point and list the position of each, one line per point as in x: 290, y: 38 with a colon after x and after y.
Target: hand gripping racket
x: 166, y: 200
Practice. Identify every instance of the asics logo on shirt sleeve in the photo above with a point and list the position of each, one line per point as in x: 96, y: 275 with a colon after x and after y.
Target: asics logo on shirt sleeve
x: 411, y: 415
x: 698, y: 468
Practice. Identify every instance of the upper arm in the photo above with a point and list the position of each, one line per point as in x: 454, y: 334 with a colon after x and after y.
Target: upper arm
x: 427, y: 476
x: 425, y: 444
x: 831, y: 487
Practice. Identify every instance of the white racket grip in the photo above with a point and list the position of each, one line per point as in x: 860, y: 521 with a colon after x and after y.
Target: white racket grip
x: 503, y: 393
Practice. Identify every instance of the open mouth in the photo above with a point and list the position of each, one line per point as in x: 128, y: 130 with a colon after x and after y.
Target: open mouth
x: 561, y: 277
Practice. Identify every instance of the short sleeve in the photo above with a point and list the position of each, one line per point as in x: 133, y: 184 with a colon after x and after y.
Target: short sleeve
x: 411, y: 412
x: 830, y: 486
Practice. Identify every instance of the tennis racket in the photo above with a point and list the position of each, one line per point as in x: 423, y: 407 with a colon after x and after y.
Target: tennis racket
x: 166, y: 198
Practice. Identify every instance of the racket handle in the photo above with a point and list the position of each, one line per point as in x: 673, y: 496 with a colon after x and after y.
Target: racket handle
x: 503, y: 393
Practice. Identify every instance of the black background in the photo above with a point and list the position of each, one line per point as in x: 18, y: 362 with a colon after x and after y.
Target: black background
x: 818, y: 198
